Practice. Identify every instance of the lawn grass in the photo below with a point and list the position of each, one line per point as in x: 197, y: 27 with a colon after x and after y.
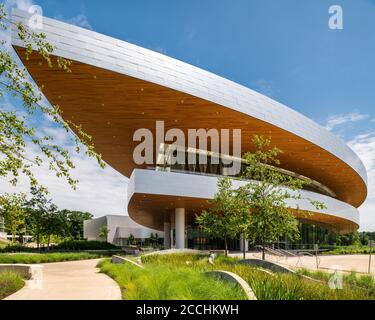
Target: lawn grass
x: 10, y: 282
x: 278, y: 287
x: 160, y: 282
x: 30, y: 258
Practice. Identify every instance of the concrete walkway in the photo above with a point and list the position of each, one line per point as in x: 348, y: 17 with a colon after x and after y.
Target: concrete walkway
x: 73, y: 280
x: 358, y: 263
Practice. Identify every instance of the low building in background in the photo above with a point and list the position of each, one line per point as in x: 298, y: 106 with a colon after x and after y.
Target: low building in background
x: 119, y: 229
x: 3, y: 234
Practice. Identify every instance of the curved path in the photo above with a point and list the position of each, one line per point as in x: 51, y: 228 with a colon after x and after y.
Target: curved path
x: 73, y: 280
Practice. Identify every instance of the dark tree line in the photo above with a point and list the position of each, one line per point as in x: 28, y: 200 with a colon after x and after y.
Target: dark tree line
x: 40, y: 217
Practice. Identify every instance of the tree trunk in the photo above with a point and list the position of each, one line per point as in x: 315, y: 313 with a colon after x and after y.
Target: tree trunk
x: 38, y: 242
x: 243, y: 247
x: 263, y: 251
x: 226, y: 246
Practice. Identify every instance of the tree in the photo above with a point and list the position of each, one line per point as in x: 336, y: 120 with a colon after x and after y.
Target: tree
x: 156, y: 239
x: 53, y: 225
x: 228, y: 215
x: 103, y: 232
x: 74, y: 223
x: 13, y: 212
x: 40, y: 211
x: 364, y: 238
x: 151, y: 239
x: 131, y: 239
x: 269, y: 191
x: 16, y: 131
x: 351, y: 239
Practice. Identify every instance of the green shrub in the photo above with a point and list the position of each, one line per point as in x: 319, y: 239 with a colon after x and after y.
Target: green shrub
x: 3, y: 243
x: 348, y: 250
x: 173, y: 259
x: 70, y: 245
x: 15, y: 247
x: 10, y: 282
x: 84, y: 245
x: 30, y: 258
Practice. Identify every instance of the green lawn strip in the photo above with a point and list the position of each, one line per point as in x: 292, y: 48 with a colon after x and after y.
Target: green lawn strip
x: 281, y: 286
x: 10, y: 282
x: 348, y: 250
x: 31, y: 258
x: 160, y: 282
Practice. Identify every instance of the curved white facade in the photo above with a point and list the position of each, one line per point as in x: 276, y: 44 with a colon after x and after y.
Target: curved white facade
x: 121, y: 58
x: 98, y: 50
x: 204, y: 187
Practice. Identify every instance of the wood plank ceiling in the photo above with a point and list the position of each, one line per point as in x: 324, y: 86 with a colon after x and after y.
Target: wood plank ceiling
x: 111, y: 106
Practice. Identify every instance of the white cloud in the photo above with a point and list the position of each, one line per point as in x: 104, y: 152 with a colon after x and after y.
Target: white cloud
x: 265, y: 87
x: 99, y: 191
x: 341, y: 119
x: 20, y: 4
x: 9, y: 5
x: 24, y: 4
x: 161, y: 50
x: 80, y: 21
x: 364, y: 146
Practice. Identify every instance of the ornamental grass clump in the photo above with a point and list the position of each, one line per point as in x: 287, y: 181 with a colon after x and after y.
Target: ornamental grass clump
x: 31, y: 258
x: 162, y: 282
x: 182, y: 276
x: 10, y: 282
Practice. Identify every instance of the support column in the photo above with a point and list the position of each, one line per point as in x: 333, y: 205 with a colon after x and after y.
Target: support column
x: 167, y: 235
x: 180, y: 228
x: 246, y: 244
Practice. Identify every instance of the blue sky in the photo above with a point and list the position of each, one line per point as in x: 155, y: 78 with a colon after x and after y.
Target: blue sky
x: 283, y: 49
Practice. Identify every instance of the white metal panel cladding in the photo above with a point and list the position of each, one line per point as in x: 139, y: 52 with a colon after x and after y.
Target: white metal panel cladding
x: 92, y: 48
x: 204, y: 187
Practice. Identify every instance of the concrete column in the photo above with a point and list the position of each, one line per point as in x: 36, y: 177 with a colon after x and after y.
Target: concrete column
x: 180, y: 228
x: 246, y: 244
x: 173, y: 227
x: 167, y: 235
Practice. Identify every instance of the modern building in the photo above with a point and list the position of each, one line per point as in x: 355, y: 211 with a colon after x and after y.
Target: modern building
x: 120, y: 228
x: 116, y: 88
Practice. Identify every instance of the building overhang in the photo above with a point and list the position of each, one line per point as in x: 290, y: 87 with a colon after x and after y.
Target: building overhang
x: 154, y: 195
x: 116, y: 88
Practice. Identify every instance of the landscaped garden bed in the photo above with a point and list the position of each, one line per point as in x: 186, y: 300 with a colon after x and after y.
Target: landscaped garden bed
x: 355, y: 280
x: 10, y: 282
x: 30, y: 258
x: 176, y: 276
x: 162, y: 282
